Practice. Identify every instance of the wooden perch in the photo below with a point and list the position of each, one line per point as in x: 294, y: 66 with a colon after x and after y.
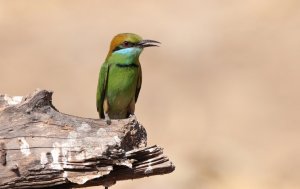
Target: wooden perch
x: 41, y: 147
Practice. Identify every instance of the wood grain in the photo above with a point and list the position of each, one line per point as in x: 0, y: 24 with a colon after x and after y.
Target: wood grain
x: 41, y: 147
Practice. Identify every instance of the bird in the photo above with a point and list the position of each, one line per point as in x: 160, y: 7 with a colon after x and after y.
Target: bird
x: 120, y: 77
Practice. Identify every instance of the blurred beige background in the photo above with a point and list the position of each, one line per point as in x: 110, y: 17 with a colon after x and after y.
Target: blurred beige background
x: 221, y: 94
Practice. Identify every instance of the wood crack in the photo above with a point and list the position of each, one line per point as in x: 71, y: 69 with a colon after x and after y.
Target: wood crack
x: 43, y: 148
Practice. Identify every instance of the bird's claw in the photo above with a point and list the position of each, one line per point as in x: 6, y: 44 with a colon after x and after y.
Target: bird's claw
x: 132, y: 116
x: 108, y: 122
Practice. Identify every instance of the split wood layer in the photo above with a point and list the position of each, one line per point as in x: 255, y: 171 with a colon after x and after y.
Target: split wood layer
x: 41, y: 147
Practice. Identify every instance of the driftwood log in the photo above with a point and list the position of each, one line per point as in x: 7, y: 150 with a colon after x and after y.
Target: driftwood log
x: 43, y: 148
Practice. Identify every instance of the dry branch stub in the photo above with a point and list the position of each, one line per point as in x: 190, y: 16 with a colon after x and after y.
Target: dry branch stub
x: 41, y: 147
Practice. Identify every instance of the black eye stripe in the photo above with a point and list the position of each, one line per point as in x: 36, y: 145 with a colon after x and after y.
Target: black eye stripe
x: 125, y: 44
x: 117, y: 48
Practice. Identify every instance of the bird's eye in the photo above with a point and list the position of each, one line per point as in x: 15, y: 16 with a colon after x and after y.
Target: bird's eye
x: 126, y: 44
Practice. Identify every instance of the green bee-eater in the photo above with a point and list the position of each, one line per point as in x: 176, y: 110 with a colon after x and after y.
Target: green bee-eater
x: 120, y: 77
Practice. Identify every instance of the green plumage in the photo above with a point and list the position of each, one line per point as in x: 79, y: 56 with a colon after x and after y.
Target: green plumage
x: 120, y: 77
x: 119, y: 84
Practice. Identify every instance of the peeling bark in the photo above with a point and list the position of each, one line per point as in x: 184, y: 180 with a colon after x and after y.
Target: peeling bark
x: 41, y: 147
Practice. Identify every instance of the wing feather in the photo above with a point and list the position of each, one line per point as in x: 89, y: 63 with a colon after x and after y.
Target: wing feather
x: 139, y: 83
x: 101, y: 90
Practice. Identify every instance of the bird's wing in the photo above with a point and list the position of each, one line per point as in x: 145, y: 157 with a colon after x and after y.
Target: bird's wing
x: 102, y: 82
x: 139, y: 83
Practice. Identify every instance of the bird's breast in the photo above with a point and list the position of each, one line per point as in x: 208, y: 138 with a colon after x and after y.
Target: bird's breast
x: 122, y: 81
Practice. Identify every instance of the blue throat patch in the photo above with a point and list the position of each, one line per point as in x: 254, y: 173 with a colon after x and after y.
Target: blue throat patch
x: 125, y: 56
x: 129, y: 51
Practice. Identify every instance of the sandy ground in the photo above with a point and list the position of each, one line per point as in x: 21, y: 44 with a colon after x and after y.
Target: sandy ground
x: 221, y: 94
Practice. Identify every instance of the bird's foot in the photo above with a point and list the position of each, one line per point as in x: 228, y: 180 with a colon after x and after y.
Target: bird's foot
x: 107, y: 119
x: 132, y: 116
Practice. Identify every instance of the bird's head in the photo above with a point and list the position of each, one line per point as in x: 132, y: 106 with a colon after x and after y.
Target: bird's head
x: 129, y: 44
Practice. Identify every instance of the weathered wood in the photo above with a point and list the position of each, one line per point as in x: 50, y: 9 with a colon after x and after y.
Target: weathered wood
x: 41, y: 147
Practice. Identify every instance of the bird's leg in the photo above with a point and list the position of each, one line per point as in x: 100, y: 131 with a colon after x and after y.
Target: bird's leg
x: 107, y: 119
x: 106, y: 110
x: 131, y: 109
x: 106, y: 187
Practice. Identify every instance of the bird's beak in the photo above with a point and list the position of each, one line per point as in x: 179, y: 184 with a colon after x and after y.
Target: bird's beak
x: 148, y: 43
